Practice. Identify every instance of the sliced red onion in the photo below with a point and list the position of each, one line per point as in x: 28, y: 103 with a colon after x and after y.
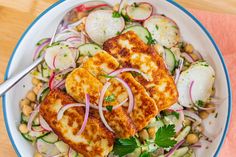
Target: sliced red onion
x: 45, y: 86
x: 190, y: 91
x: 60, y: 83
x: 51, y: 81
x: 31, y: 118
x: 115, y: 73
x: 198, y: 54
x: 171, y: 152
x: 104, y: 89
x: 65, y: 108
x: 178, y: 71
x: 193, y: 116
x: 130, y: 94
x: 83, y: 7
x: 187, y: 57
x: 40, y: 47
x: 54, y: 62
x: 179, y: 126
x: 44, y: 124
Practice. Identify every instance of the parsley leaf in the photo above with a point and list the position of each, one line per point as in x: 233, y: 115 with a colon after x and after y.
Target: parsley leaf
x: 157, y: 27
x: 164, y: 136
x: 124, y: 146
x: 109, y: 108
x: 110, y: 98
x: 150, y: 40
x: 126, y: 17
x: 176, y: 114
x: 108, y: 76
x: 118, y: 33
x: 200, y: 103
x: 116, y: 14
x: 145, y: 154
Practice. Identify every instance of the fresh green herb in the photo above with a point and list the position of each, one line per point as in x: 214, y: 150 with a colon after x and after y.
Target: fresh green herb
x: 157, y: 27
x: 134, y: 74
x: 164, y: 136
x: 175, y: 27
x: 145, y: 154
x: 107, y: 76
x: 89, y: 54
x: 135, y: 5
x: 110, y: 98
x: 118, y: 33
x: 176, y: 114
x: 109, y: 108
x: 167, y: 113
x: 116, y: 14
x: 200, y: 103
x: 65, y: 55
x: 126, y: 17
x: 124, y: 146
x: 150, y: 40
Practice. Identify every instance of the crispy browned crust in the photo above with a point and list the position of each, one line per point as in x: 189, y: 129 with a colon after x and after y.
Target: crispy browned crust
x: 80, y: 81
x: 98, y: 141
x: 161, y: 87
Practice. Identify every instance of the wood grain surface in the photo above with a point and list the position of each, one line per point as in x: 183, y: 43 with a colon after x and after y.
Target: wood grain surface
x: 16, y: 15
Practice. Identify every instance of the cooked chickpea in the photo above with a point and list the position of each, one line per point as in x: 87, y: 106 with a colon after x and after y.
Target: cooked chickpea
x: 80, y: 27
x: 203, y: 114
x: 192, y: 138
x: 143, y: 135
x: 33, y: 105
x: 24, y: 102
x: 37, y: 88
x: 188, y: 48
x: 23, y: 128
x: 27, y: 110
x: 37, y: 154
x: 187, y: 122
x: 31, y: 96
x: 116, y: 7
x: 152, y: 132
x: 210, y: 105
x: 35, y: 81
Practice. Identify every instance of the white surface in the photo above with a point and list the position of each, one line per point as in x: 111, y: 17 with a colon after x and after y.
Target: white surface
x: 190, y: 31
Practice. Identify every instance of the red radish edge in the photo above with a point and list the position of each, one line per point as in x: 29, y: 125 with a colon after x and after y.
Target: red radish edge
x: 104, y: 89
x: 51, y: 79
x: 83, y: 7
x: 44, y: 124
x: 140, y: 20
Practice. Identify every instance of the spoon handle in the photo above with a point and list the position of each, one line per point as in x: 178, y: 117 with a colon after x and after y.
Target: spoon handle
x: 9, y: 83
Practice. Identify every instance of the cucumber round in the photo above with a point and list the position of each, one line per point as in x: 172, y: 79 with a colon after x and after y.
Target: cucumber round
x: 183, y: 134
x: 170, y: 60
x: 62, y: 147
x: 24, y: 118
x: 142, y: 32
x: 44, y: 94
x: 50, y: 138
x: 28, y: 137
x: 38, y: 135
x: 47, y: 148
x: 88, y: 49
x: 180, y: 152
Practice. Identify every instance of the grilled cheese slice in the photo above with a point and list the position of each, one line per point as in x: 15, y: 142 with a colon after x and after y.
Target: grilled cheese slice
x: 144, y: 108
x: 80, y: 81
x: 130, y: 51
x: 95, y: 141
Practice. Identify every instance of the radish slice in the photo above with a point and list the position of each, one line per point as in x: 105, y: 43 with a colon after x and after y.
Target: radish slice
x: 44, y: 124
x: 90, y: 6
x: 117, y: 72
x: 104, y: 89
x: 101, y: 25
x: 130, y: 94
x: 178, y: 71
x: 163, y: 30
x: 59, y: 57
x: 139, y: 11
x: 47, y: 149
x: 203, y: 76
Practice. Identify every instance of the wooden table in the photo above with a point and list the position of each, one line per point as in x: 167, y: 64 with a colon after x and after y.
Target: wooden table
x: 16, y: 15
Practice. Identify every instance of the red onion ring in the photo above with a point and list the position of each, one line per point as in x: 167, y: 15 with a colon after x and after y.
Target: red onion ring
x: 193, y: 116
x: 187, y: 57
x: 51, y: 79
x: 65, y: 108
x: 44, y: 124
x: 31, y: 119
x: 40, y: 47
x: 171, y: 152
x: 178, y: 71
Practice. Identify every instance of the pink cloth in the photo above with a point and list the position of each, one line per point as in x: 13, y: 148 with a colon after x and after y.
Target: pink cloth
x: 223, y: 29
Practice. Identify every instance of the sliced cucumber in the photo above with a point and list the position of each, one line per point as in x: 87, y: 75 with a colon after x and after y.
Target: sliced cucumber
x: 38, y: 128
x: 170, y: 60
x: 62, y: 147
x: 203, y: 76
x: 24, y: 118
x: 72, y: 153
x: 157, y: 124
x: 28, y: 137
x: 38, y: 134
x: 36, y: 121
x: 50, y: 138
x: 183, y: 134
x: 142, y: 32
x: 88, y: 49
x: 44, y: 94
x: 180, y: 152
x: 47, y: 148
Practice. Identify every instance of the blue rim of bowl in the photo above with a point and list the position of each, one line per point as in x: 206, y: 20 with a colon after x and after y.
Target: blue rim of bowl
x: 171, y: 2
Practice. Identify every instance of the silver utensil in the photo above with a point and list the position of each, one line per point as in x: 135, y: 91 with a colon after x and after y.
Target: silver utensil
x: 67, y: 21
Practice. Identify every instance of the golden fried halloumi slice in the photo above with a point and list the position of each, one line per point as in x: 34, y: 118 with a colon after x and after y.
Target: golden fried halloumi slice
x: 130, y: 51
x: 80, y: 81
x: 145, y: 107
x: 95, y: 141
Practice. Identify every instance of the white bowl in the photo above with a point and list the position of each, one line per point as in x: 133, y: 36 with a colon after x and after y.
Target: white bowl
x: 191, y: 30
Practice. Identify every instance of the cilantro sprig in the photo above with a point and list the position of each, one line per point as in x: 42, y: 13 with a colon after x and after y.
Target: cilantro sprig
x: 110, y: 98
x: 116, y: 14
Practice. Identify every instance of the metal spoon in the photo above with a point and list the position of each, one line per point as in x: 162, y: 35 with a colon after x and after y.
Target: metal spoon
x: 64, y: 23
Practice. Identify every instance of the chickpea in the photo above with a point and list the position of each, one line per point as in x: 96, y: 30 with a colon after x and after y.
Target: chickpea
x: 35, y: 81
x: 33, y: 105
x: 143, y: 135
x: 187, y: 122
x: 152, y: 132
x: 31, y: 96
x: 24, y: 102
x: 203, y: 114
x: 27, y: 110
x: 23, y: 128
x: 37, y: 154
x: 210, y: 105
x: 116, y: 7
x: 80, y: 27
x: 188, y: 48
x: 192, y: 138
x: 37, y: 88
